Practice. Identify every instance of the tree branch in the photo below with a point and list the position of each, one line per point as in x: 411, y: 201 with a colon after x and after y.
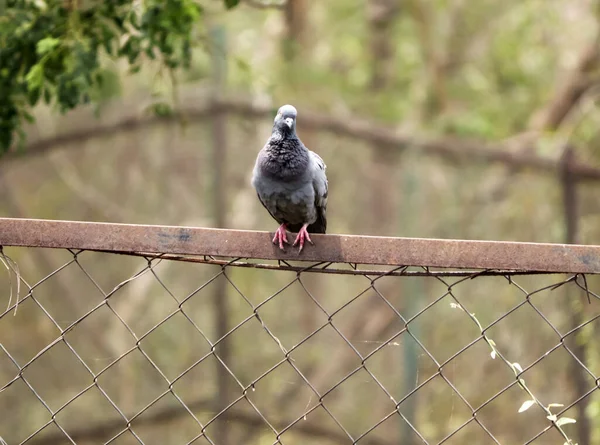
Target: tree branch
x: 101, y: 430
x: 257, y: 4
x: 447, y: 147
x: 583, y: 77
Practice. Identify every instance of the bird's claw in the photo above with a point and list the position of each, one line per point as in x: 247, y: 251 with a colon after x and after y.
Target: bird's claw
x: 280, y: 237
x: 302, y: 237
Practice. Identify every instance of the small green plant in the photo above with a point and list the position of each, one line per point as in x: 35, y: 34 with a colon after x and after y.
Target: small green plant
x: 11, y: 267
x: 558, y: 422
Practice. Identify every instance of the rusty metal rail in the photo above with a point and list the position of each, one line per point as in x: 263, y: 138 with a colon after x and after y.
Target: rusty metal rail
x: 457, y: 254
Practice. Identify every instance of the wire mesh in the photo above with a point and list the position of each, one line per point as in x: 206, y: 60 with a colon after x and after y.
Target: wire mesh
x: 101, y: 347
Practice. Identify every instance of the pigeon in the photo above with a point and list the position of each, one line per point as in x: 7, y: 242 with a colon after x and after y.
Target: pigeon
x: 290, y: 182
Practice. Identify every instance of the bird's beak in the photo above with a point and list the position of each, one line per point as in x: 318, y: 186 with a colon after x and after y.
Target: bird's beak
x: 289, y: 121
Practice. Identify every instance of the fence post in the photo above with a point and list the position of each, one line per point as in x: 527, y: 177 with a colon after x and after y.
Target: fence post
x: 410, y: 288
x: 571, y: 215
x: 219, y: 134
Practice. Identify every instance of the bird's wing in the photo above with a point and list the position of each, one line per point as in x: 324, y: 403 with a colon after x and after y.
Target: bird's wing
x: 257, y: 180
x: 265, y: 206
x: 321, y: 187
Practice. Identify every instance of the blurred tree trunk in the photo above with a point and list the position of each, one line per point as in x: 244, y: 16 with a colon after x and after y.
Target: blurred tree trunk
x: 219, y: 192
x: 441, y: 55
x: 297, y: 49
x: 295, y: 43
x: 382, y: 15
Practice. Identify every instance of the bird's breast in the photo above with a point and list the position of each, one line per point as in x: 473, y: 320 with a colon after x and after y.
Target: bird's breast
x: 290, y: 201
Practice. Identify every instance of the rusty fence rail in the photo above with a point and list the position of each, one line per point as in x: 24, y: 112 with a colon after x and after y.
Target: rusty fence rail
x: 122, y: 334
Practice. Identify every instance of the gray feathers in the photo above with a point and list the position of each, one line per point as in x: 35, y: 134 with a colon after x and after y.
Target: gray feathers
x: 289, y: 179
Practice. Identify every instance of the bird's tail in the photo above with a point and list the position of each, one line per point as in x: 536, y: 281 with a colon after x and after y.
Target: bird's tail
x: 320, y: 225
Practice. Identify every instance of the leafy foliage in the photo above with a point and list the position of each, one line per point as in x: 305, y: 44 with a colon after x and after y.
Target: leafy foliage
x: 231, y: 3
x: 50, y: 50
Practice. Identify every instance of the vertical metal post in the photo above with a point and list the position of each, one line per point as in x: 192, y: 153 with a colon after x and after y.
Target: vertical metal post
x: 571, y: 215
x: 219, y: 195
x: 411, y: 287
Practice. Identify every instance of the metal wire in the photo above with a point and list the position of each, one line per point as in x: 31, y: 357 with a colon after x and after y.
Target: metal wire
x: 321, y: 353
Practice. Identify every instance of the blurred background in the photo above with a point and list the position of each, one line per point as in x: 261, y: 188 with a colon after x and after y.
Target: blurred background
x: 436, y: 118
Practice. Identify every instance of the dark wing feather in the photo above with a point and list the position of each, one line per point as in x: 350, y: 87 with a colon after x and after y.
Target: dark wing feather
x: 321, y: 187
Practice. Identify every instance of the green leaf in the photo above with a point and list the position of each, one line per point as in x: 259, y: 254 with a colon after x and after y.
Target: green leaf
x: 28, y: 117
x: 46, y: 45
x: 160, y: 109
x: 34, y: 96
x: 35, y: 76
x: 517, y: 367
x: 565, y: 421
x: 492, y: 344
x: 231, y: 3
x: 47, y: 96
x: 108, y: 46
x: 526, y: 405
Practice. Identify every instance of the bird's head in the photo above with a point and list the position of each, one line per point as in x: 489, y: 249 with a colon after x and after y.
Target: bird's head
x: 285, y: 121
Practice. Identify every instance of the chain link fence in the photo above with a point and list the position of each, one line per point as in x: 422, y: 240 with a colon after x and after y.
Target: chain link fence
x: 128, y: 347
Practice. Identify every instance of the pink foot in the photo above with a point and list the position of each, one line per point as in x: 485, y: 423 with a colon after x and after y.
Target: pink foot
x: 280, y: 236
x: 302, y: 237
